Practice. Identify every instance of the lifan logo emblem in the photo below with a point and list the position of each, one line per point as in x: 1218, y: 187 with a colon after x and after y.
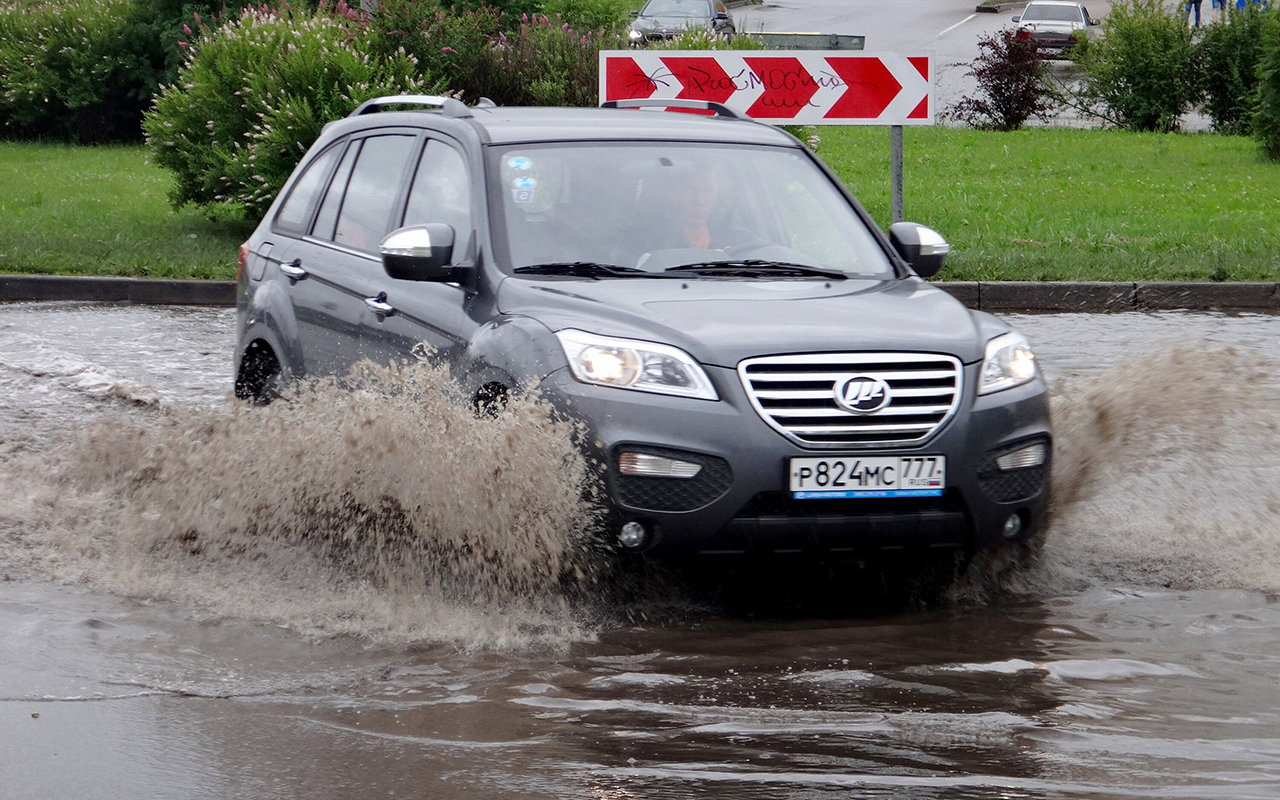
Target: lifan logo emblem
x: 862, y: 395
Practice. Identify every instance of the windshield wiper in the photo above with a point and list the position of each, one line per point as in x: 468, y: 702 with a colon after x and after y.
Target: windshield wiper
x: 754, y: 267
x: 584, y: 269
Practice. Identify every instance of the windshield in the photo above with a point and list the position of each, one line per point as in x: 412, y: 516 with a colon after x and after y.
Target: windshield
x: 677, y: 8
x: 1045, y: 13
x: 656, y: 206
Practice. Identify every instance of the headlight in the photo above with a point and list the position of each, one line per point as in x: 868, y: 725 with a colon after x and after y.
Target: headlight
x: 631, y: 364
x: 1009, y: 363
x: 634, y: 34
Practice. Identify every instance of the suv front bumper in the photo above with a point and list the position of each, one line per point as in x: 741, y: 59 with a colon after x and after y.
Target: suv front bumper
x: 740, y: 501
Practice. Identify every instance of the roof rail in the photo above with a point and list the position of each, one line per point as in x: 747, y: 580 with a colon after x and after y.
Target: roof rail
x: 720, y: 109
x: 449, y: 106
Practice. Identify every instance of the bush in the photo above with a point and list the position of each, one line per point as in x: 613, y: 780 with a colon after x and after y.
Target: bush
x: 1143, y: 75
x: 707, y: 39
x: 85, y: 70
x: 255, y: 92
x: 544, y: 63
x: 1266, y: 120
x: 589, y: 15
x: 1011, y: 85
x: 1229, y: 55
x: 65, y: 72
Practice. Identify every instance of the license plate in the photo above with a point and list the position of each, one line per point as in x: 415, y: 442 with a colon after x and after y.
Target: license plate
x: 873, y: 476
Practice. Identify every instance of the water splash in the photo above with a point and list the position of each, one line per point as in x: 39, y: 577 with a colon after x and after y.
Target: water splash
x: 1165, y: 475
x: 378, y: 507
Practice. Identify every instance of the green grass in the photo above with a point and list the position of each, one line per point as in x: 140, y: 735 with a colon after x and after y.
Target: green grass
x: 1054, y: 204
x: 1032, y: 205
x: 103, y: 211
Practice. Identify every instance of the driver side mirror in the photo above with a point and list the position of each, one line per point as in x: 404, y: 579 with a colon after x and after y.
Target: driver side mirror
x: 634, y: 14
x: 419, y: 253
x: 922, y: 248
x: 1015, y: 19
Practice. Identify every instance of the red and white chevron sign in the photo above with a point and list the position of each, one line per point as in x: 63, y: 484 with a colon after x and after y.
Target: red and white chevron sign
x: 795, y: 87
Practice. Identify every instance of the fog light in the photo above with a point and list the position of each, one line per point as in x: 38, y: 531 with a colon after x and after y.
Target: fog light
x: 1032, y: 456
x: 1012, y: 526
x: 656, y: 466
x: 632, y: 535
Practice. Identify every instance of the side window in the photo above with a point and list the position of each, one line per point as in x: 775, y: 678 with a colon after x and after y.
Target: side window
x: 365, y: 216
x: 327, y: 217
x: 296, y: 211
x: 442, y: 193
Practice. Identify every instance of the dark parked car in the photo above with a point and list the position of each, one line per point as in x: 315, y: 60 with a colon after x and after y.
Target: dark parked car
x: 762, y: 369
x: 663, y: 19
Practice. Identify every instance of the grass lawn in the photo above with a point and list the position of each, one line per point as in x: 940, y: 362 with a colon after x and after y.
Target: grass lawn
x: 1055, y: 204
x: 1044, y: 204
x: 103, y: 211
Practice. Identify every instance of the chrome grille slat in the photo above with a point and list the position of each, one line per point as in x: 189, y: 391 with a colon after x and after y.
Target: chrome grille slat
x: 796, y: 395
x: 891, y: 411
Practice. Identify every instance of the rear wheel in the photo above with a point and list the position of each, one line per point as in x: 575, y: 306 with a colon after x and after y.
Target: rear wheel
x: 259, y: 376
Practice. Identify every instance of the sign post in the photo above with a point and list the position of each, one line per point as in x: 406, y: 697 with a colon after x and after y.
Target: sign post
x: 795, y: 87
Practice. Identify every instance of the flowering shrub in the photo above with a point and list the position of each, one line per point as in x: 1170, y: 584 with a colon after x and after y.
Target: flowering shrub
x: 1011, y: 85
x: 589, y: 15
x: 1266, y: 120
x: 254, y: 93
x: 543, y: 63
x: 65, y: 70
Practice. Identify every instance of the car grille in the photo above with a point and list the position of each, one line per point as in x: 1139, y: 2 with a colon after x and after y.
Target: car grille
x: 796, y: 395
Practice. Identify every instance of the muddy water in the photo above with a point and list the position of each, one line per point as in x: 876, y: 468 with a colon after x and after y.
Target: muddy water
x: 167, y: 631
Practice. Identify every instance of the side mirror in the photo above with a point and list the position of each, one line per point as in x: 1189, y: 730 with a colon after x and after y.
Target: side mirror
x: 419, y: 253
x: 1095, y: 22
x: 721, y: 16
x: 1015, y: 19
x: 634, y: 14
x: 922, y: 248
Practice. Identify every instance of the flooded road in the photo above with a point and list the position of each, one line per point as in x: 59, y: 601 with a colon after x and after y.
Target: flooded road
x: 149, y: 647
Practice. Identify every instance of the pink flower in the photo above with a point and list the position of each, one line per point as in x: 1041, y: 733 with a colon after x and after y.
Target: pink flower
x: 563, y: 27
x: 182, y: 44
x: 186, y: 30
x: 525, y: 17
x: 447, y: 50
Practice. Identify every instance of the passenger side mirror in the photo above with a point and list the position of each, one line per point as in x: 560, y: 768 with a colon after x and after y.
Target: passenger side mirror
x: 634, y: 14
x: 1095, y: 22
x: 1015, y: 19
x: 922, y: 248
x: 419, y: 253
x: 721, y: 16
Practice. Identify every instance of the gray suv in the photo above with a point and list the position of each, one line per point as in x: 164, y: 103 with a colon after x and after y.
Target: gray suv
x: 761, y: 368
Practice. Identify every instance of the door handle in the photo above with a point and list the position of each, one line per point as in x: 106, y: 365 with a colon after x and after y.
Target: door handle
x: 379, y: 305
x: 294, y: 271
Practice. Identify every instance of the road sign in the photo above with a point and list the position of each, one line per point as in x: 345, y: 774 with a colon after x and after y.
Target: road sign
x: 798, y: 87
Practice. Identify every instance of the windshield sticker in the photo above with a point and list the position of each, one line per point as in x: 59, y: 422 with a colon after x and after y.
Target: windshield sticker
x: 519, y: 163
x: 522, y: 189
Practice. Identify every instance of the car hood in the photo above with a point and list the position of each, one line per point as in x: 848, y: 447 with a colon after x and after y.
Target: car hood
x: 669, y: 23
x: 722, y: 321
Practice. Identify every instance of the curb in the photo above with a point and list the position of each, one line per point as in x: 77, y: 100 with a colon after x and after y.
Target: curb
x: 1096, y: 297
x: 145, y: 291
x: 1093, y: 297
x: 996, y: 8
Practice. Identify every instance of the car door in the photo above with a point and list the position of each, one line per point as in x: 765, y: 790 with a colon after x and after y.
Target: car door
x: 335, y: 267
x: 427, y: 314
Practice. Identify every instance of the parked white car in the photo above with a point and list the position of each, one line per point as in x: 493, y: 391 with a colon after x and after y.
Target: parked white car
x: 1053, y: 25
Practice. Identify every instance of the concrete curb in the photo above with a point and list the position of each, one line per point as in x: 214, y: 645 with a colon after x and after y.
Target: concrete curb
x: 1008, y: 296
x: 996, y: 8
x: 146, y: 291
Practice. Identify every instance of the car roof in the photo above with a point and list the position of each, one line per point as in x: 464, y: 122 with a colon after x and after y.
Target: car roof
x: 527, y: 124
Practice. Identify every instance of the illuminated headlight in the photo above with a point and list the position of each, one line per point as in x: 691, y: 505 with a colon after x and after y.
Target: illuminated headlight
x: 1009, y: 363
x: 634, y: 35
x: 632, y: 364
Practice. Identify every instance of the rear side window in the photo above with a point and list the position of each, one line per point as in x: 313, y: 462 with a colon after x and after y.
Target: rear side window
x: 296, y: 211
x: 366, y: 208
x: 327, y: 218
x: 442, y: 193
